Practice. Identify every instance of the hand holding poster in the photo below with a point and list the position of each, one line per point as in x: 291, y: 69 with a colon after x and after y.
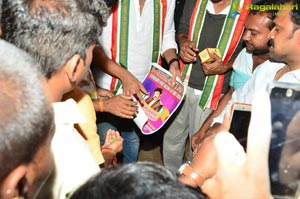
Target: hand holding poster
x: 164, y: 98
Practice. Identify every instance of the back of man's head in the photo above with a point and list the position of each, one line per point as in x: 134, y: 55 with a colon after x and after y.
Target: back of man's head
x: 26, y: 117
x: 51, y: 31
x: 294, y: 12
x: 134, y: 181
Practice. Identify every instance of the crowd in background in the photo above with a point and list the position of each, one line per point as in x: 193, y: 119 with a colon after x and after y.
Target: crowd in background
x: 71, y: 73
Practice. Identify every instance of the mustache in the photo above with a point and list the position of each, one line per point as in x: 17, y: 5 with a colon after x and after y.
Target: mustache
x: 248, y: 43
x: 271, y: 43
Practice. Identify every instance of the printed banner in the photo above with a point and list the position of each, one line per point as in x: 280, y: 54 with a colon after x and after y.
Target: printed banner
x: 162, y: 101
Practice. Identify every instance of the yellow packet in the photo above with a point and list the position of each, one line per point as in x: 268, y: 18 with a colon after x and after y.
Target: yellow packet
x: 206, y: 55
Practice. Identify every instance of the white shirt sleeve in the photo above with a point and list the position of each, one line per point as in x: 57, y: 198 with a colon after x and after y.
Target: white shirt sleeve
x: 169, y: 30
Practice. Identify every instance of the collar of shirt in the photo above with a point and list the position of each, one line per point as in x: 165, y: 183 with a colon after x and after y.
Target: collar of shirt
x: 210, y: 8
x: 67, y: 112
x: 295, y: 74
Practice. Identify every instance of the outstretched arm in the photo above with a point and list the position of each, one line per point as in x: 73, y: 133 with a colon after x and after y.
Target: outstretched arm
x: 131, y: 85
x: 113, y: 145
x: 197, y: 137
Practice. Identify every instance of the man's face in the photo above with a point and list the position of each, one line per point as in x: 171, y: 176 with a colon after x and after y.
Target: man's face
x: 85, y: 67
x: 256, y: 33
x: 284, y: 39
x: 156, y: 95
x: 40, y: 168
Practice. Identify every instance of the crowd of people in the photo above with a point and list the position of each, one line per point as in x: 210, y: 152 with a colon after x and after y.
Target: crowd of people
x: 71, y: 73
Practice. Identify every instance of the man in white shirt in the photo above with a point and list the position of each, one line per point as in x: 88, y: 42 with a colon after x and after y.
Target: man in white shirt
x: 61, y: 35
x: 137, y: 33
x: 284, y: 47
x: 204, y: 24
x: 26, y: 125
x: 257, y: 28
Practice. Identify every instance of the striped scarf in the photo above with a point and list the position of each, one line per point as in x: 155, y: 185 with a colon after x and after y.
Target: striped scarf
x: 120, y: 31
x: 231, y: 33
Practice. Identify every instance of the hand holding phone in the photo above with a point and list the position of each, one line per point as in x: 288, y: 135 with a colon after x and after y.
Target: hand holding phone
x: 240, y: 119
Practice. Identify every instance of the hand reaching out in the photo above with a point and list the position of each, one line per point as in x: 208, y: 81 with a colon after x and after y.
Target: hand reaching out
x: 217, y: 67
x: 113, y: 141
x: 133, y: 87
x: 121, y: 105
x: 101, y: 92
x: 241, y: 175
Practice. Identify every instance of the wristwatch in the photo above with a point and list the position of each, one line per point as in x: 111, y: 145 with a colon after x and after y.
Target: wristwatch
x: 191, y: 173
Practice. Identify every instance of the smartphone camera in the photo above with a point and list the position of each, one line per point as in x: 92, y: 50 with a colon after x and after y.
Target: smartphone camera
x: 284, y: 166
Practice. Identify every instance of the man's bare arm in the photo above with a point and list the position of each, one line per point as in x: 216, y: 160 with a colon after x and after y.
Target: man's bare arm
x: 197, y: 137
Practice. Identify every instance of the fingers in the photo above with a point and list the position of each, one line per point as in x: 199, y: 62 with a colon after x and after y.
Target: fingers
x: 175, y: 72
x: 193, y: 142
x: 230, y: 160
x: 229, y: 151
x: 126, y: 108
x: 122, y: 106
x: 235, y: 168
x: 127, y: 97
x: 127, y: 114
x: 135, y: 90
x: 188, y: 51
x: 216, y: 57
x: 259, y: 135
x: 217, y: 67
x: 113, y: 140
x: 226, y: 122
x: 104, y: 92
x: 110, y: 137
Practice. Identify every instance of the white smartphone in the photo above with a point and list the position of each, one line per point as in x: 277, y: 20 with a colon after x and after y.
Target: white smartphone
x: 240, y: 119
x: 284, y: 154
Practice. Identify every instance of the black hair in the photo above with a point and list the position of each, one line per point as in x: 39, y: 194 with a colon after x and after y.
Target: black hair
x: 159, y: 90
x: 51, y: 31
x: 135, y: 181
x: 26, y: 115
x: 111, y: 3
x: 271, y: 12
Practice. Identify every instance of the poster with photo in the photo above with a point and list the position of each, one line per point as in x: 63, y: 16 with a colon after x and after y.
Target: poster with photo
x: 162, y: 101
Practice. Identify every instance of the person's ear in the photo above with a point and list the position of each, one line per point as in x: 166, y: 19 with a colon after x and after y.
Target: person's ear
x: 297, y: 35
x: 13, y: 185
x: 72, y: 66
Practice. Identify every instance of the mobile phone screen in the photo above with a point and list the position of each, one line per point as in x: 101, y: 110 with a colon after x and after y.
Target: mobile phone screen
x: 239, y: 125
x: 284, y: 155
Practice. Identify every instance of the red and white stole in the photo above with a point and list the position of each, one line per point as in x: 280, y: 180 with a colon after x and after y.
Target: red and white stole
x: 229, y: 38
x: 120, y: 31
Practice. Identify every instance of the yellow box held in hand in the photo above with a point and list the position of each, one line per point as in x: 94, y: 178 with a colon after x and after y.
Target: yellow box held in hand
x: 206, y: 55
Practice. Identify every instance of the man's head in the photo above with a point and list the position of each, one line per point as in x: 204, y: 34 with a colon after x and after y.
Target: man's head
x: 285, y: 36
x: 257, y: 29
x: 60, y: 35
x: 26, y: 124
x: 134, y: 181
x: 157, y: 93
